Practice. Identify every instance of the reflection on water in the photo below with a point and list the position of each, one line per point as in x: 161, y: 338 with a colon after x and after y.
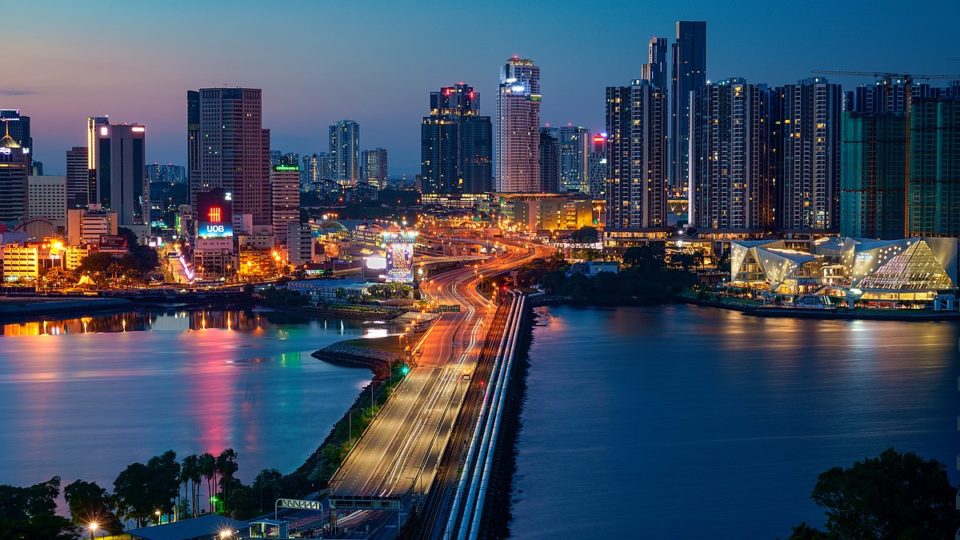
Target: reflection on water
x: 86, y: 396
x: 688, y: 422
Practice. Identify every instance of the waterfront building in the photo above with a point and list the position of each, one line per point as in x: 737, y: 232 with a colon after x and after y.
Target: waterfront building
x: 374, y: 167
x: 549, y: 160
x: 14, y: 170
x: 518, y: 126
x: 47, y: 198
x: 805, y: 127
x: 894, y: 272
x: 21, y: 263
x: 301, y: 247
x: 934, y: 207
x: 285, y: 196
x: 574, y: 156
x: 229, y: 149
x: 122, y: 185
x: 637, y: 167
x: 455, y: 150
x: 873, y: 175
x: 689, y: 75
x: 345, y: 149
x: 731, y: 182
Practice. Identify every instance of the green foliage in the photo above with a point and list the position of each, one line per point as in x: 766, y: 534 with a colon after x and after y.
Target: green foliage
x: 584, y: 235
x: 284, y: 297
x: 31, y: 512
x: 896, y: 495
x: 386, y: 291
x: 90, y: 503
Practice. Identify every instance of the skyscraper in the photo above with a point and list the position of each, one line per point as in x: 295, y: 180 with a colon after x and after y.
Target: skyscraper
x: 234, y: 150
x: 935, y: 167
x: 518, y: 127
x: 285, y: 197
x: 636, y: 156
x: 374, y: 167
x: 574, y: 158
x: 96, y: 125
x: 730, y: 187
x: 455, y: 143
x: 655, y: 70
x: 122, y: 185
x: 598, y: 166
x: 19, y: 128
x: 78, y: 184
x: 689, y: 74
x: 14, y: 170
x: 807, y: 171
x: 345, y: 148
x: 549, y: 160
x: 872, y: 178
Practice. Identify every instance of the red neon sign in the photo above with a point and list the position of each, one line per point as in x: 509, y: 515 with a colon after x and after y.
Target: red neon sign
x: 214, y: 214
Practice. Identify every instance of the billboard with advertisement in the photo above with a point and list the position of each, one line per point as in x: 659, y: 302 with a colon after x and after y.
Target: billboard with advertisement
x: 214, y: 214
x: 399, y: 248
x: 113, y: 242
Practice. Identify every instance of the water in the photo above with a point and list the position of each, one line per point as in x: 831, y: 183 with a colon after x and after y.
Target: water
x: 689, y: 422
x: 85, y: 397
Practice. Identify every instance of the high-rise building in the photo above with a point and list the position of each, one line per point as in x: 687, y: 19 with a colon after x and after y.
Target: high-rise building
x: 285, y: 195
x: 689, y: 75
x: 805, y: 149
x: 374, y: 167
x: 518, y: 127
x: 455, y: 143
x: 934, y: 208
x: 14, y: 170
x: 549, y: 160
x: 47, y: 198
x: 345, y: 149
x: 574, y: 158
x: 730, y: 187
x: 19, y: 129
x: 78, y: 183
x: 637, y: 153
x: 598, y: 166
x: 122, y: 185
x: 655, y: 70
x: 95, y: 126
x: 873, y: 175
x: 233, y: 149
x: 172, y: 174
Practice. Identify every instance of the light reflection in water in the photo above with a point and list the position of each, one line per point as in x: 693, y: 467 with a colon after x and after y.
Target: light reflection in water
x: 86, y: 396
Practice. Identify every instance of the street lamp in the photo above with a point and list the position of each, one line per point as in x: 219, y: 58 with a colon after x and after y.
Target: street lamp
x: 93, y: 526
x: 158, y: 513
x: 226, y: 533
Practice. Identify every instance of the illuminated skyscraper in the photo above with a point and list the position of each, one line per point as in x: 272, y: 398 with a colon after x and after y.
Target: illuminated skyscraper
x: 374, y: 167
x: 78, y: 184
x: 19, y: 127
x: 655, y: 70
x: 574, y: 155
x: 122, y: 185
x: 549, y: 160
x: 518, y: 127
x: 689, y: 74
x: 345, y: 149
x: 455, y: 149
x: 636, y: 156
x: 228, y: 148
x: 285, y: 197
x: 598, y: 166
x: 730, y: 187
x: 14, y: 170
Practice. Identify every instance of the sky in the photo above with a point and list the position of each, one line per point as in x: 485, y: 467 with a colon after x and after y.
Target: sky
x: 376, y: 62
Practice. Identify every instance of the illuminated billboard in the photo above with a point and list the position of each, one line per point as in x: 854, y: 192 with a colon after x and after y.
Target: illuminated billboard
x: 399, y: 247
x: 214, y: 215
x: 113, y: 242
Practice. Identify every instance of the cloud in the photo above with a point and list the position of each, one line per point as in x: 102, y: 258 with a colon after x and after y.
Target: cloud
x: 15, y: 92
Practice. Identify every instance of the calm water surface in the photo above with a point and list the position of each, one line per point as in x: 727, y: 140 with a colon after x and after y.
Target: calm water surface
x: 688, y: 422
x: 82, y: 398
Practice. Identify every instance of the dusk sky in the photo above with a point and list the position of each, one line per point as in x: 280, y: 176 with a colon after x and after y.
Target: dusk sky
x: 376, y: 62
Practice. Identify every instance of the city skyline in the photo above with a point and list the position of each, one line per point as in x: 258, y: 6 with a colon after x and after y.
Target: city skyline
x: 304, y: 91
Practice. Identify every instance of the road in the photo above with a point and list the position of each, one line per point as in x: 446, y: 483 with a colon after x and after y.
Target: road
x: 400, y: 451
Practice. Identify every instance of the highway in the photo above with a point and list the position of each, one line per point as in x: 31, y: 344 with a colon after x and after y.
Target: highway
x: 399, y: 453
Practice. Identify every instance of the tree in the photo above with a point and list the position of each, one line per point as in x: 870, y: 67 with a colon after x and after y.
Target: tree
x: 131, y: 490
x: 896, y: 495
x: 208, y: 468
x: 226, y: 467
x: 31, y: 512
x: 648, y: 258
x: 90, y: 503
x: 190, y: 474
x: 96, y: 263
x: 584, y: 235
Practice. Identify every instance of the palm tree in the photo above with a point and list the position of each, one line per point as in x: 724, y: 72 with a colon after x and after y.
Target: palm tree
x: 190, y: 477
x: 226, y: 466
x: 208, y: 468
